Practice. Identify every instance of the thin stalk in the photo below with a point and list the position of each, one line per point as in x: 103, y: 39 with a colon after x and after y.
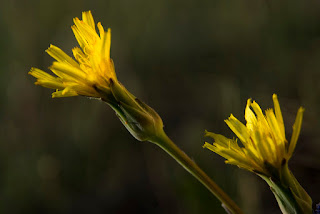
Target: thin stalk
x: 185, y: 161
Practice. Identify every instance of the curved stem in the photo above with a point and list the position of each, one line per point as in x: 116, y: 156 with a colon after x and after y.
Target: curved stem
x: 185, y: 161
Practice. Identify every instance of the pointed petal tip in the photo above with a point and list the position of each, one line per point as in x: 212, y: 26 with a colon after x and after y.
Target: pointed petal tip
x: 231, y: 117
x: 205, y: 145
x: 50, y: 47
x: 35, y: 72
x: 301, y: 110
x: 275, y: 100
x: 76, y: 20
x: 254, y: 103
x: 274, y: 96
x: 31, y: 70
x: 210, y: 134
x: 209, y: 146
x: 296, y: 131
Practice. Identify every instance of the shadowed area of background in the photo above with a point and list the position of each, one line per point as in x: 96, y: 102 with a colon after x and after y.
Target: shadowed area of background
x: 195, y: 62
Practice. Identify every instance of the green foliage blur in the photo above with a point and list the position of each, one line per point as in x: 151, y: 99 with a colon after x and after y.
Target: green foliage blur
x: 194, y: 62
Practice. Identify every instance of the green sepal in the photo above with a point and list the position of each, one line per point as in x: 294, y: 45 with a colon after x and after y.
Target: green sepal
x: 291, y: 197
x: 135, y: 121
x: 140, y: 120
x: 121, y: 94
x: 301, y: 196
x: 283, y: 195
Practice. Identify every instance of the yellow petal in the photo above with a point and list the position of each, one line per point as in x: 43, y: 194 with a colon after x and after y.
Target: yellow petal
x: 238, y: 128
x: 296, y: 131
x: 101, y: 30
x: 83, y: 89
x: 253, y: 155
x: 86, y: 32
x: 250, y: 116
x: 233, y: 157
x: 64, y: 93
x: 248, y: 167
x: 68, y: 72
x: 60, y: 56
x: 46, y: 80
x: 88, y: 19
x: 40, y: 74
x: 278, y: 115
x: 258, y: 149
x: 79, y: 37
x: 108, y: 44
x: 50, y: 84
x: 256, y: 108
x: 80, y: 57
x: 272, y: 151
x: 274, y: 125
x: 218, y: 138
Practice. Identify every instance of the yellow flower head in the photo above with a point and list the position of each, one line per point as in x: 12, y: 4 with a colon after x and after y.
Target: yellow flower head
x: 263, y: 139
x: 92, y: 67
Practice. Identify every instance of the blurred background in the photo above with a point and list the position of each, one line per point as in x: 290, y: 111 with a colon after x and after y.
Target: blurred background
x: 195, y: 62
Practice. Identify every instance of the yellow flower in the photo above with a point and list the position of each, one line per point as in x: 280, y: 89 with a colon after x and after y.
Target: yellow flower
x: 264, y: 147
x: 91, y: 69
x: 92, y: 74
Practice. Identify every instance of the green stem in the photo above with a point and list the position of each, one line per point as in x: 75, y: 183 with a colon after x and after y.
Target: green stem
x: 185, y: 161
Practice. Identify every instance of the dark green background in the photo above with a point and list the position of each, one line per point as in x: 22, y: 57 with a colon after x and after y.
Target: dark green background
x: 194, y: 61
